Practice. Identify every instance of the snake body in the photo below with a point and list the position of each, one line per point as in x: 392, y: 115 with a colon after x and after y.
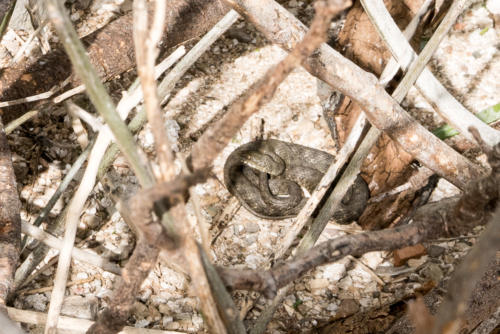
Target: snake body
x: 267, y: 177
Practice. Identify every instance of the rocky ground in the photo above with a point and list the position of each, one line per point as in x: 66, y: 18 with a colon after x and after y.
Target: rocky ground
x: 467, y: 62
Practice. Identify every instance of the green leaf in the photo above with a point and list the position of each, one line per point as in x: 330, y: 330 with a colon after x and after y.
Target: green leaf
x: 488, y: 115
x: 484, y: 31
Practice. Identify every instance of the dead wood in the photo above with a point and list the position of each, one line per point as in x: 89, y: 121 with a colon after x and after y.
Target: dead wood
x: 185, y: 20
x: 450, y: 217
x: 10, y: 220
x: 207, y: 148
x: 361, y: 43
x: 482, y: 303
x: 216, y: 138
x: 151, y: 238
x: 450, y: 313
x: 113, y: 318
x: 281, y: 27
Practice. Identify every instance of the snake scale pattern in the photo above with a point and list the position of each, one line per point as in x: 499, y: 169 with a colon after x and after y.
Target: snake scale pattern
x: 268, y: 178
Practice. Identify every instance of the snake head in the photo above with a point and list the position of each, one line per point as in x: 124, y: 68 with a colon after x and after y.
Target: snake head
x: 267, y: 163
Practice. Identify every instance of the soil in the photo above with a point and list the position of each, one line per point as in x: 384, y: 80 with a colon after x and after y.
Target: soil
x: 44, y: 148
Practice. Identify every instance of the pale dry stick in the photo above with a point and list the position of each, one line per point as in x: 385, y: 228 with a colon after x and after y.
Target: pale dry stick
x: 319, y: 223
x: 52, y: 261
x: 77, y: 253
x: 18, y: 121
x: 304, y: 215
x: 59, y: 191
x: 381, y: 110
x: 446, y: 105
x: 82, y: 136
x: 146, y: 52
x: 159, y: 69
x: 168, y: 83
x: 78, y: 112
x: 392, y: 66
x: 69, y: 93
x: 26, y: 44
x: 72, y: 219
x: 146, y: 40
x: 104, y: 105
x: 195, y: 53
x: 164, y: 65
x: 72, y: 325
x: 33, y: 98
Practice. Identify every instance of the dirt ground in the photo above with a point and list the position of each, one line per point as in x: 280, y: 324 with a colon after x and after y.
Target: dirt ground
x: 467, y: 63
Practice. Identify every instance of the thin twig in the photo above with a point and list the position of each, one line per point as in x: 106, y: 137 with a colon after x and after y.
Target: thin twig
x: 69, y: 93
x: 61, y: 188
x: 330, y: 206
x: 77, y: 254
x: 72, y: 219
x: 38, y: 97
x: 10, y: 220
x: 104, y: 105
x: 380, y: 109
x: 446, y: 105
x: 146, y: 40
x: 18, y: 121
x: 168, y: 83
x: 84, y: 115
x: 72, y: 325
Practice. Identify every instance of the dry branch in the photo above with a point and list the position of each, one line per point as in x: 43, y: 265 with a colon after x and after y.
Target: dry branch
x: 448, y: 218
x: 216, y: 138
x: 146, y: 40
x: 449, y: 108
x: 10, y: 220
x: 281, y: 27
x: 466, y: 276
x: 185, y: 20
x: 171, y: 241
x: 72, y: 325
x: 151, y: 238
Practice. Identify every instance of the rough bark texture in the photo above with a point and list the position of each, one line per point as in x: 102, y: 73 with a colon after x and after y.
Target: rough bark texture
x: 361, y: 43
x: 447, y: 218
x: 10, y: 220
x: 186, y: 19
x: 281, y: 27
x: 483, y: 302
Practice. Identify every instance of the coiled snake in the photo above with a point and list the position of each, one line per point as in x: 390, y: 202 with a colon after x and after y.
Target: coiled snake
x: 267, y: 177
